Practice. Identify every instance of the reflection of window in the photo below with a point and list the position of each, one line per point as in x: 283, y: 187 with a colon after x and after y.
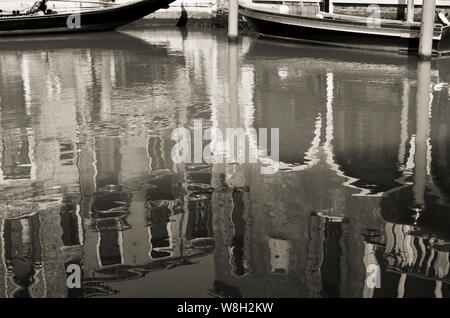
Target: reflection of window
x: 16, y: 158
x: 22, y: 254
x: 158, y: 219
x: 71, y: 226
x: 279, y: 255
x: 67, y: 154
x: 108, y: 162
x: 199, y: 222
x: 326, y: 265
x: 159, y: 151
x: 238, y: 260
x: 110, y: 247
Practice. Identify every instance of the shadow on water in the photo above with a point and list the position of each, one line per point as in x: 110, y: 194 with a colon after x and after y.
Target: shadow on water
x: 87, y: 176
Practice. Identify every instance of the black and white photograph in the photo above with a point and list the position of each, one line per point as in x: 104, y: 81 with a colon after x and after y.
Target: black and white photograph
x: 223, y: 156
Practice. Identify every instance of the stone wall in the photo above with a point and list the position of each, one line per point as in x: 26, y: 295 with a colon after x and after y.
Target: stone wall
x: 221, y: 13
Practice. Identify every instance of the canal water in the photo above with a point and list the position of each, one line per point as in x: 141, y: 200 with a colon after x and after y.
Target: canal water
x: 359, y: 208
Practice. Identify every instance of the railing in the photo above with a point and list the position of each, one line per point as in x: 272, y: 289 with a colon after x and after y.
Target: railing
x: 442, y: 3
x: 193, y: 3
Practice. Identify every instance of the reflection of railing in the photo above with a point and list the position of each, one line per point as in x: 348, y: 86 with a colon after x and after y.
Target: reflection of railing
x: 403, y: 250
x: 410, y: 254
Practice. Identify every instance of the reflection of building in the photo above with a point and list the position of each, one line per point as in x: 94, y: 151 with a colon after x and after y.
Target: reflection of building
x: 154, y: 223
x: 313, y: 233
x: 86, y: 186
x: 117, y: 207
x: 17, y: 142
x: 367, y: 135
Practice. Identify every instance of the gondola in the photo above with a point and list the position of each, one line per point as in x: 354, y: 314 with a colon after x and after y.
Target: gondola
x: 109, y: 17
x: 291, y: 22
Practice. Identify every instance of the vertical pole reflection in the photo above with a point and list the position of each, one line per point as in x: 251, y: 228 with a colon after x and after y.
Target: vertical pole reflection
x: 423, y: 99
x: 404, y: 123
x: 233, y: 83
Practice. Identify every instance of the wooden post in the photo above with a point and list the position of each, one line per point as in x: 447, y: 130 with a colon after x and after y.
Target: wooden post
x: 233, y: 20
x: 410, y: 11
x: 427, y: 28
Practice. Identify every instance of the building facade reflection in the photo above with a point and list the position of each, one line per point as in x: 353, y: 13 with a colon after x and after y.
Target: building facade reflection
x: 87, y: 177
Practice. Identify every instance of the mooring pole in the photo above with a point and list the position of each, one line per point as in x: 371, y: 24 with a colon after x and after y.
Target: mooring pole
x: 423, y: 107
x: 427, y: 28
x: 410, y: 11
x: 233, y: 16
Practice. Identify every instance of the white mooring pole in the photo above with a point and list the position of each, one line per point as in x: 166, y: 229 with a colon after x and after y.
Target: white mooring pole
x: 330, y: 7
x: 410, y: 11
x: 427, y: 28
x: 423, y: 106
x: 233, y: 21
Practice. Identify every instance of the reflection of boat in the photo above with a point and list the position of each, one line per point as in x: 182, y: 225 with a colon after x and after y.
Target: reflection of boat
x: 271, y: 49
x: 95, y: 40
x: 293, y: 23
x: 99, y: 19
x: 372, y: 115
x: 433, y: 219
x: 297, y: 115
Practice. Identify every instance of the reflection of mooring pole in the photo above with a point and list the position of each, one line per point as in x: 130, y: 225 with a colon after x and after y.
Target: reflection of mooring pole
x: 233, y: 78
x: 427, y: 28
x: 410, y: 11
x: 422, y: 131
x: 233, y: 20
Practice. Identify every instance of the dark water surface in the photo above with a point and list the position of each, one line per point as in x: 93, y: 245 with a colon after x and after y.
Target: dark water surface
x: 86, y: 175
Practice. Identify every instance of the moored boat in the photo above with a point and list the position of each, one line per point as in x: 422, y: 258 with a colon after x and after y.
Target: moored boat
x: 109, y: 17
x: 293, y: 22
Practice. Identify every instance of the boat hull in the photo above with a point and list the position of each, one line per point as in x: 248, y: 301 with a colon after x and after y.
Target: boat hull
x: 96, y: 20
x: 396, y: 37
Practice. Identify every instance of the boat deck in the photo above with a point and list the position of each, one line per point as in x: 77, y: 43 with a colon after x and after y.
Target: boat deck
x: 289, y: 22
x: 313, y: 11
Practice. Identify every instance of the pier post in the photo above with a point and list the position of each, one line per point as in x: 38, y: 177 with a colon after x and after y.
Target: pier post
x: 233, y: 20
x: 410, y: 12
x: 427, y: 28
